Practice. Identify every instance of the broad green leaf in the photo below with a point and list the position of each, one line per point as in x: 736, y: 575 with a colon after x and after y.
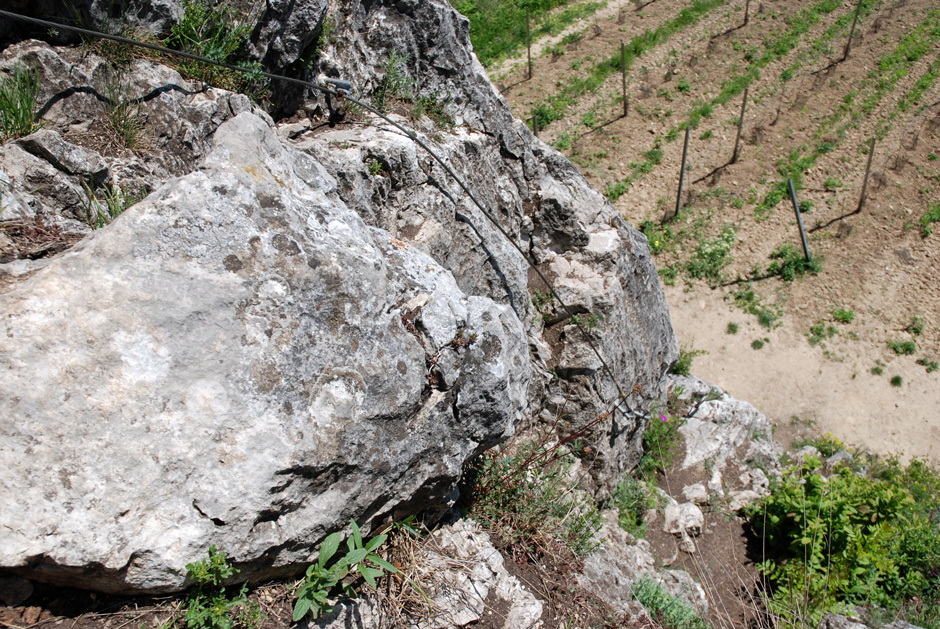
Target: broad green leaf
x: 328, y: 549
x: 382, y: 563
x: 376, y: 541
x: 369, y: 574
x: 355, y: 556
x: 356, y: 534
x: 301, y: 607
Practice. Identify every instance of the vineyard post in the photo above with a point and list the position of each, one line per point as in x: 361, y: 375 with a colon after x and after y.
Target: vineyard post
x: 528, y: 41
x: 685, y: 154
x: 799, y: 219
x: 737, y: 141
x: 861, y: 200
x: 623, y: 69
x: 535, y: 125
x: 848, y: 44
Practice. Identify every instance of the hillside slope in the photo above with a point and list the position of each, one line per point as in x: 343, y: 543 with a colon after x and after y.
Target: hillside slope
x: 810, y: 116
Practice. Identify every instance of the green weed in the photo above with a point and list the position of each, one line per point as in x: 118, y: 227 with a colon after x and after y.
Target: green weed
x: 931, y: 216
x: 665, y: 609
x: 100, y: 211
x: 632, y: 498
x: 18, y: 93
x: 207, y: 604
x: 528, y: 499
x: 732, y: 328
x: 878, y: 369
x: 931, y: 365
x: 711, y: 257
x: 683, y: 365
x: 215, y: 33
x: 660, y: 445
x: 897, y: 381
x: 758, y: 344
x: 843, y: 315
x: 323, y: 576
x: 917, y: 325
x: 820, y: 332
x: 788, y: 263
x: 903, y: 348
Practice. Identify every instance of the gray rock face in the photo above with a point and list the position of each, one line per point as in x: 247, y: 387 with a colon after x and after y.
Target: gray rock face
x: 613, y: 571
x: 730, y: 440
x: 282, y: 339
x: 234, y: 366
x: 126, y: 16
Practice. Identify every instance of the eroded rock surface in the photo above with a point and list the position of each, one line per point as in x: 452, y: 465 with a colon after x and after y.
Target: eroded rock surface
x: 286, y: 336
x: 228, y: 363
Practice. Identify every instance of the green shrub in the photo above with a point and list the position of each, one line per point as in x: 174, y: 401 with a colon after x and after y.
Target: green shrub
x: 17, y: 103
x: 527, y: 498
x: 217, y: 34
x: 665, y: 609
x: 757, y: 344
x: 732, y: 328
x: 903, y: 348
x: 789, y: 263
x: 897, y: 381
x: 326, y: 574
x: 917, y: 325
x: 929, y: 218
x: 207, y: 604
x: 396, y: 83
x: 849, y: 538
x: 712, y: 256
x: 632, y: 498
x: 843, y: 315
x: 931, y: 365
x: 683, y: 366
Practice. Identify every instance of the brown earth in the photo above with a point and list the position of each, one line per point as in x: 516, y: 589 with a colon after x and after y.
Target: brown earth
x: 875, y: 263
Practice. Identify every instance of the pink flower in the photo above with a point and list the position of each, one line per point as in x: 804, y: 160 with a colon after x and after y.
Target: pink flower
x: 662, y: 417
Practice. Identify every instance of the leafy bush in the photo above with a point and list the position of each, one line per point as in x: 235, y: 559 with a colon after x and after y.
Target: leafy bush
x: 732, y: 328
x: 665, y: 609
x: 323, y: 576
x: 843, y: 315
x: 917, y: 325
x: 659, y: 237
x: 684, y: 364
x: 528, y: 499
x: 217, y: 34
x: 660, y: 445
x: 711, y: 256
x: 396, y: 82
x: 17, y: 101
x: 207, y: 604
x: 849, y: 538
x: 789, y: 263
x: 903, y: 348
x: 897, y: 381
x: 632, y: 498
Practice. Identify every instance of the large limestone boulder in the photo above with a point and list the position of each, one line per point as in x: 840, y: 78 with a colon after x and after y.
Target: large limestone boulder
x: 240, y: 361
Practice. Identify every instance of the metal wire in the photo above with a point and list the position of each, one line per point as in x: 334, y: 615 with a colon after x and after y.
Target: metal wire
x: 326, y: 90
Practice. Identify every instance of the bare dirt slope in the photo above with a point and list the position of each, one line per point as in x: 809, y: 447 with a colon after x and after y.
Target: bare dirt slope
x: 810, y: 115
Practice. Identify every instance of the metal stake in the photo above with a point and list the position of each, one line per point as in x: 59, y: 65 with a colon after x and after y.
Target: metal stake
x: 685, y: 153
x: 737, y: 141
x: 861, y: 200
x: 535, y: 125
x: 848, y: 44
x: 623, y: 68
x: 528, y: 40
x: 799, y: 220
